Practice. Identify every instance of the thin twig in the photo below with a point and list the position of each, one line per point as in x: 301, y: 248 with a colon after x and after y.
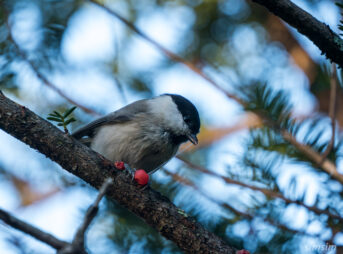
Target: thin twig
x: 167, y: 52
x: 326, y: 165
x: 31, y: 230
x: 78, y: 244
x: 265, y: 191
x: 42, y: 77
x: 188, y: 183
x: 90, y: 167
x: 93, y: 209
x: 332, y: 110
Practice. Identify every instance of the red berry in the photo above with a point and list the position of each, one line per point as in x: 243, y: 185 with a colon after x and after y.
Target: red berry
x: 141, y: 177
x: 119, y: 165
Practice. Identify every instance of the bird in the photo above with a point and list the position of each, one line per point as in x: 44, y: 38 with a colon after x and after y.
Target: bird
x: 145, y: 134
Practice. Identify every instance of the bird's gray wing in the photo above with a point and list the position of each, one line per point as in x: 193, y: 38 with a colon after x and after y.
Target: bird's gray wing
x: 122, y: 115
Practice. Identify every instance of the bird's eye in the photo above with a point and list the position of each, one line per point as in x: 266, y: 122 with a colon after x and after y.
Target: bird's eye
x: 187, y: 119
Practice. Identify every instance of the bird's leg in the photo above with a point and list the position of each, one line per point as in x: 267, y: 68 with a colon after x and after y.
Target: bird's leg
x: 120, y: 165
x: 139, y: 175
x: 131, y: 171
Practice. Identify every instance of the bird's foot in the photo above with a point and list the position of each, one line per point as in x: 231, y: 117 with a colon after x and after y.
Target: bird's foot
x: 120, y: 165
x: 140, y: 175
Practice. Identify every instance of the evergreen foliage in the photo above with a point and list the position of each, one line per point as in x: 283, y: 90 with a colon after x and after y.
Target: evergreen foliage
x: 216, y: 32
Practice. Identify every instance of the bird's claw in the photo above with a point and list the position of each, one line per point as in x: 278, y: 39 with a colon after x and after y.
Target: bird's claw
x: 120, y: 165
x: 130, y: 170
x: 140, y: 176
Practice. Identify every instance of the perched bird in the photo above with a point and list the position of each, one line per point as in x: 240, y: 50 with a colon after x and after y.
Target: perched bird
x: 144, y: 134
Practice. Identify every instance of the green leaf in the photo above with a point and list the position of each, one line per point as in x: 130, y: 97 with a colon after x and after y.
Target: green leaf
x: 58, y: 114
x: 60, y: 124
x: 53, y: 114
x: 69, y: 111
x: 55, y: 119
x: 69, y: 121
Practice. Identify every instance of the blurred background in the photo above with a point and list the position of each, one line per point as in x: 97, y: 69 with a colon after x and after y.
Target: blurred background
x: 55, y: 54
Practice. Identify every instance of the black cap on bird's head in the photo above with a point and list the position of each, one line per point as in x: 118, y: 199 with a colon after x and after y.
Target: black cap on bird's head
x: 190, y: 116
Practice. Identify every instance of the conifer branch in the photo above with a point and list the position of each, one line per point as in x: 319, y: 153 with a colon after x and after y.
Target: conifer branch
x: 267, y: 192
x: 83, y: 162
x: 327, y: 165
x: 227, y: 206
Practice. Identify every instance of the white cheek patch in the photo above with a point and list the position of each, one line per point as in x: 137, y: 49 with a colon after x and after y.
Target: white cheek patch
x: 166, y: 109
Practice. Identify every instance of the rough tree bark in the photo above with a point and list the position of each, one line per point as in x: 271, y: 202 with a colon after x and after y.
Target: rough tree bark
x: 318, y: 32
x: 81, y: 161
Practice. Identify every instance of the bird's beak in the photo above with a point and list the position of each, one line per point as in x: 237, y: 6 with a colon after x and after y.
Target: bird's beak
x: 193, y: 138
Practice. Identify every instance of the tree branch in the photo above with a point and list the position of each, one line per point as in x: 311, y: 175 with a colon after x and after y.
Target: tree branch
x: 31, y: 230
x: 42, y: 77
x: 77, y: 246
x: 267, y: 192
x: 92, y: 210
x: 227, y: 206
x: 167, y: 52
x: 318, y: 32
x: 326, y: 164
x: 81, y: 161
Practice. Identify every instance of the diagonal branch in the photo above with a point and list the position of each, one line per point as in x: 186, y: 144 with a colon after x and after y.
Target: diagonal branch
x: 31, y: 230
x: 249, y: 216
x: 92, y: 211
x: 42, y: 77
x: 265, y: 191
x: 77, y: 246
x: 314, y: 156
x: 327, y: 165
x: 81, y: 161
x: 167, y: 52
x: 318, y: 32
